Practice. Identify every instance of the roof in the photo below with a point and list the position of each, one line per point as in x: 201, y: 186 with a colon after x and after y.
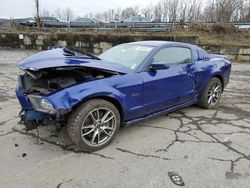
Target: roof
x: 158, y: 43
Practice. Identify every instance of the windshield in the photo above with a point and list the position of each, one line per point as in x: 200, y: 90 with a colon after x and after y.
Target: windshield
x: 128, y: 55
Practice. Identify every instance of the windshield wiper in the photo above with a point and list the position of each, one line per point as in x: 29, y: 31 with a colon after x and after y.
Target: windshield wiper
x: 73, y: 52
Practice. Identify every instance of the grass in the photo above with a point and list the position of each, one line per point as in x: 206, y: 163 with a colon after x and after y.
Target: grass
x: 239, y: 38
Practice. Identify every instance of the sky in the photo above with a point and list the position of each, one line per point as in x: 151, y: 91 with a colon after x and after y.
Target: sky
x: 25, y: 8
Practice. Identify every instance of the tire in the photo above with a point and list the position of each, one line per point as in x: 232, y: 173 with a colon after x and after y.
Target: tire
x: 94, y: 124
x: 211, y: 95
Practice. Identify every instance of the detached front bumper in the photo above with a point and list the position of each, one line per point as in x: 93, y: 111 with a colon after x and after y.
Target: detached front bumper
x: 37, y: 111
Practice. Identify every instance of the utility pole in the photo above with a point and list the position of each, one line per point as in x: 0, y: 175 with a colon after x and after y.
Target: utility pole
x: 38, y: 20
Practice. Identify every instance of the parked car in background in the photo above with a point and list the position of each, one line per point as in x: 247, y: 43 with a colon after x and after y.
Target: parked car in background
x: 3, y: 19
x: 27, y: 22
x: 94, y: 96
x: 52, y: 22
x: 136, y: 19
x: 82, y: 22
x: 85, y: 20
x: 242, y: 25
x: 5, y: 22
x: 98, y: 20
x: 136, y: 22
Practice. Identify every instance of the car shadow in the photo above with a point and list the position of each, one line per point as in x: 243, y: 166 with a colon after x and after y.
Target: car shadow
x: 49, y: 135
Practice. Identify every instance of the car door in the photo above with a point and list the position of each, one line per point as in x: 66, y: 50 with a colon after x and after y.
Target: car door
x: 170, y: 87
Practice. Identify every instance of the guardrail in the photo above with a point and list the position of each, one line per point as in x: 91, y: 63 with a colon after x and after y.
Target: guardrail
x: 107, y: 25
x: 136, y: 26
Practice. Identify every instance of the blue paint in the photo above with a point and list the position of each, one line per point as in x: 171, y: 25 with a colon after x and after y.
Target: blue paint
x: 31, y: 115
x: 58, y: 58
x: 22, y: 99
x: 141, y: 94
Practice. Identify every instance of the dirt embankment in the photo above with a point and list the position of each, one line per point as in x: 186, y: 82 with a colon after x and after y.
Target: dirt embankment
x: 217, y: 38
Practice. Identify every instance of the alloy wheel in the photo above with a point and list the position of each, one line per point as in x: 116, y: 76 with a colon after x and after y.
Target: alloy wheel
x: 98, y: 126
x: 214, y: 93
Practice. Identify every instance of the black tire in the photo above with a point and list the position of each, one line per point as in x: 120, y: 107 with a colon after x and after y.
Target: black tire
x: 92, y: 112
x: 204, y: 101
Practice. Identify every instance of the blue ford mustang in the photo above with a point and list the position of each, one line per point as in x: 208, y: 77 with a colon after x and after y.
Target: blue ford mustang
x: 94, y: 96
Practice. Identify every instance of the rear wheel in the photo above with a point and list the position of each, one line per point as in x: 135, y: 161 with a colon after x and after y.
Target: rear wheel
x: 211, y: 96
x: 94, y: 124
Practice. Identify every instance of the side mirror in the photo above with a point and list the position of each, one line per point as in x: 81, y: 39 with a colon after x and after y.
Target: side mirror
x: 159, y: 66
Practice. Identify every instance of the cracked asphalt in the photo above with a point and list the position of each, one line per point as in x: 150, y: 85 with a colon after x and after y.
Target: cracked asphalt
x: 208, y: 148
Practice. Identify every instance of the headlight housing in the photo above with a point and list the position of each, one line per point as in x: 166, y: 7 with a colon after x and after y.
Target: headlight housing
x: 46, y: 104
x: 40, y: 104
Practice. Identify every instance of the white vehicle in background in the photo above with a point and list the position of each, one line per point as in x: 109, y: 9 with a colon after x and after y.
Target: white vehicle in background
x: 136, y: 19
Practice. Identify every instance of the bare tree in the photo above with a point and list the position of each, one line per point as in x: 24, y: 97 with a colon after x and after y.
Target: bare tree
x: 246, y: 13
x: 247, y: 16
x: 118, y: 13
x: 130, y: 11
x: 45, y: 13
x: 194, y: 10
x: 110, y: 15
x: 183, y: 9
x: 171, y: 10
x: 179, y: 10
x: 107, y: 16
x: 226, y: 9
x: 59, y: 13
x: 68, y: 14
x: 148, y: 11
x: 91, y: 15
x: 158, y: 12
x: 99, y: 16
x: 242, y: 11
x: 64, y: 14
x: 209, y: 13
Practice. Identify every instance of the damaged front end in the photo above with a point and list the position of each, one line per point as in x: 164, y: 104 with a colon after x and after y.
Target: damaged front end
x: 45, y: 89
x: 35, y: 86
x: 32, y: 89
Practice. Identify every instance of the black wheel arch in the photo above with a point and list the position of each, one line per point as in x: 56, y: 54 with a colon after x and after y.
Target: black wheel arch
x: 220, y: 78
x: 216, y: 75
x: 112, y: 100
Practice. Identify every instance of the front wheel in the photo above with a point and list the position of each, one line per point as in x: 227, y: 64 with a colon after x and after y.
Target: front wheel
x: 94, y: 124
x: 211, y: 96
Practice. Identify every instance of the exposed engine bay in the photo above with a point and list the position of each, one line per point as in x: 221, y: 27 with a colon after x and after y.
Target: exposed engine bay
x: 45, y: 81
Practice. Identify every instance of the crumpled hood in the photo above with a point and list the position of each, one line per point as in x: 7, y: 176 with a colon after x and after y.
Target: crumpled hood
x: 58, y: 58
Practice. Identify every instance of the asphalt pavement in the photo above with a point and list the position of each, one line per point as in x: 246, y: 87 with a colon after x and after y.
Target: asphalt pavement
x: 207, y: 148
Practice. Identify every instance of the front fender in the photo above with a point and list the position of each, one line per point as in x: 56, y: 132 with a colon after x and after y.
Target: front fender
x: 69, y: 97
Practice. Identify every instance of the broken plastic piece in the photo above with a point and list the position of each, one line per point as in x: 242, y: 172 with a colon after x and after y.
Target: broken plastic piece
x: 176, y: 179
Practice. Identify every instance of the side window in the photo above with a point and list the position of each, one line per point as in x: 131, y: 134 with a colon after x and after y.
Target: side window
x: 174, y: 55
